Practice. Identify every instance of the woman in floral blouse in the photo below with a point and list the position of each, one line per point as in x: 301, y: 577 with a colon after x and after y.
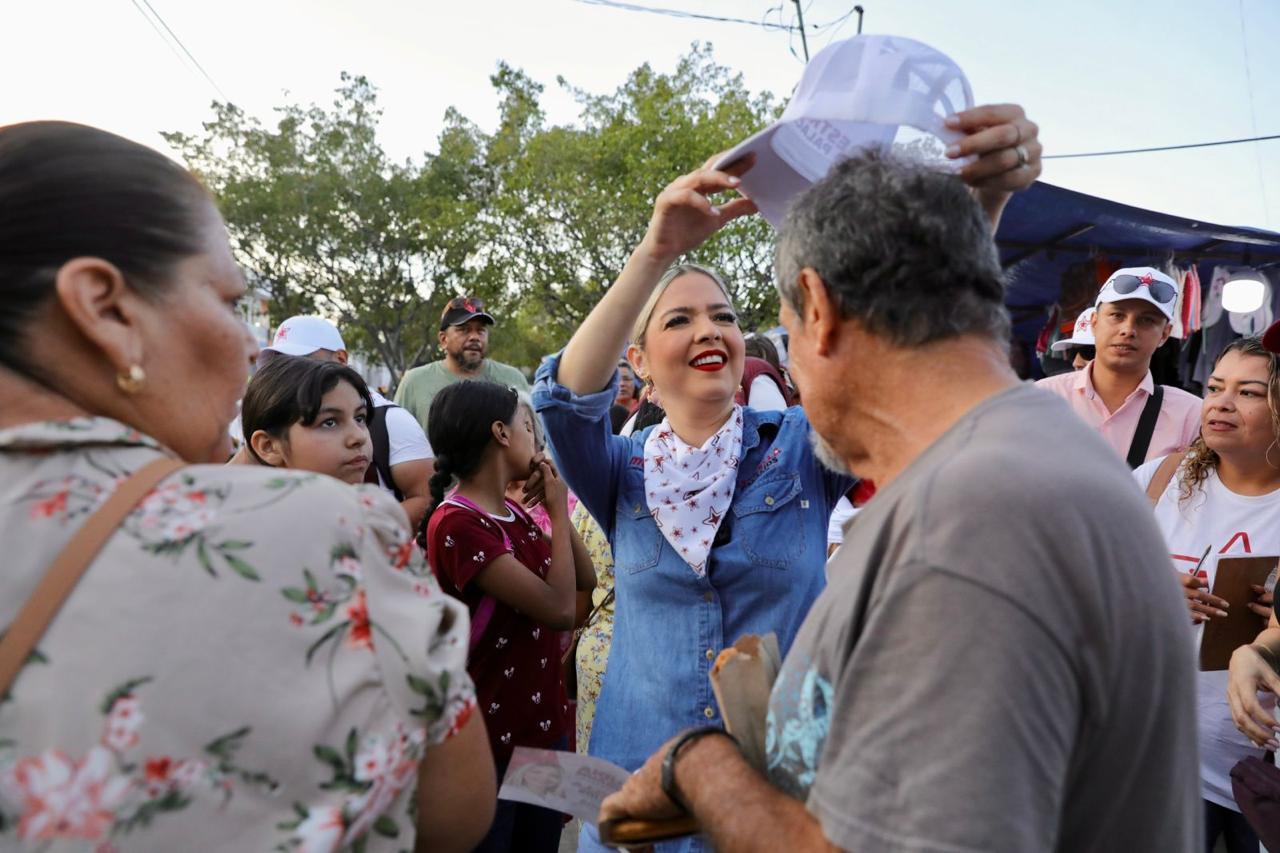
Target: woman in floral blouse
x: 257, y: 659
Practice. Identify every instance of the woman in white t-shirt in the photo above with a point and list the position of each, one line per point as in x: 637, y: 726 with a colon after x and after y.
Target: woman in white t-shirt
x: 1225, y: 497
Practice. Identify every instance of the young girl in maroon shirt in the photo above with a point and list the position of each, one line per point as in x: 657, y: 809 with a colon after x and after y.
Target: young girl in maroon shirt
x: 518, y: 584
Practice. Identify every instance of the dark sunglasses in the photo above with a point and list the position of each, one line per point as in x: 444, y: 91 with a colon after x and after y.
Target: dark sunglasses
x: 1161, y: 291
x: 1087, y: 353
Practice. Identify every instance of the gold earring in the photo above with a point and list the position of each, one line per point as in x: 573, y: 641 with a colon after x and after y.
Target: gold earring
x: 132, y: 382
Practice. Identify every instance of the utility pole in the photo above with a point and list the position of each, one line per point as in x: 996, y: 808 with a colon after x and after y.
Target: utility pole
x: 804, y: 40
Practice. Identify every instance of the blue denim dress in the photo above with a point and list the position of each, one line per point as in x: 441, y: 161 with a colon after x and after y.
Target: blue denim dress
x: 766, y: 568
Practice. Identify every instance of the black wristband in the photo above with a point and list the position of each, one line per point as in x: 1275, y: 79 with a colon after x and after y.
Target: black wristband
x: 669, y: 763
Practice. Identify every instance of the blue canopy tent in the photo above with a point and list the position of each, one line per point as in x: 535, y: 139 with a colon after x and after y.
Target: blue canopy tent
x: 1047, y: 228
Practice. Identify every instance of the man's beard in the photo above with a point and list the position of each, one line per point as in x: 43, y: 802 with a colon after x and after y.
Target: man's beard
x: 827, y: 455
x: 468, y: 359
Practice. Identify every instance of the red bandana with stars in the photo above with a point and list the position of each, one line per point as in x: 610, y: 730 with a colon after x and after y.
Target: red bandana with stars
x: 689, y: 489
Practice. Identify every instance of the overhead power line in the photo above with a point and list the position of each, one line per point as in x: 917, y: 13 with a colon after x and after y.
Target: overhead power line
x: 1160, y: 148
x: 680, y: 13
x: 177, y: 41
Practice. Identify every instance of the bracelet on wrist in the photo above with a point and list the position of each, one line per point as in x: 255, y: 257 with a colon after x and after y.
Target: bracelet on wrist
x: 669, y: 762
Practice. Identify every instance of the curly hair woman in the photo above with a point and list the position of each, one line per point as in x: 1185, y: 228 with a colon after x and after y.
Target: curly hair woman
x: 1225, y: 497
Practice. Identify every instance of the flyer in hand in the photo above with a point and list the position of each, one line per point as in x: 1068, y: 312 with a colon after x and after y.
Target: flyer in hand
x: 563, y: 781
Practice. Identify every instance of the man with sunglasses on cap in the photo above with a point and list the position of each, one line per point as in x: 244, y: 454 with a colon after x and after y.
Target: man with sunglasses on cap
x: 1115, y: 394
x: 464, y: 337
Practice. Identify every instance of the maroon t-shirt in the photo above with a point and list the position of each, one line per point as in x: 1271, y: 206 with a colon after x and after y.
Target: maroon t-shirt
x: 516, y: 662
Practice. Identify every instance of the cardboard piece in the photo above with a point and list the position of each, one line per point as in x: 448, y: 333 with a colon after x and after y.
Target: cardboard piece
x: 1224, y: 634
x: 742, y: 680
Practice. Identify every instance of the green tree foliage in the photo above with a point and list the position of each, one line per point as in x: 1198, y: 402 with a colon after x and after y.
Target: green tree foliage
x: 536, y: 218
x: 576, y: 200
x: 323, y: 221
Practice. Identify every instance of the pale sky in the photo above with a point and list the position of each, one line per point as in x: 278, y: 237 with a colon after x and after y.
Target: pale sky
x: 1095, y: 74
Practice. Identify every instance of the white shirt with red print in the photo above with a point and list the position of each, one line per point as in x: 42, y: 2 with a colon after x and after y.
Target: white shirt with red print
x: 1230, y: 525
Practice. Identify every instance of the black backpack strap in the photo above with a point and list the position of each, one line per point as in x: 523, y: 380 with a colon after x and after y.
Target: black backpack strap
x: 1146, y: 428
x: 377, y: 424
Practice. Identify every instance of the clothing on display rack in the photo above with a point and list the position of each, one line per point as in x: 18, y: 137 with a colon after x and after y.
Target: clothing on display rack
x: 1220, y: 327
x: 1191, y: 301
x: 1179, y: 281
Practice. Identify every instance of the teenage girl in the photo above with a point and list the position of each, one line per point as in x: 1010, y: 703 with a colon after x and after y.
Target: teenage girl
x: 518, y: 584
x: 309, y: 415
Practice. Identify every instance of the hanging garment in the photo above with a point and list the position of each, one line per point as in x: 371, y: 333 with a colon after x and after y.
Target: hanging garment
x: 1255, y: 322
x: 1212, y: 310
x: 1191, y: 314
x: 1178, y: 277
x: 1045, y: 338
x: 1216, y: 338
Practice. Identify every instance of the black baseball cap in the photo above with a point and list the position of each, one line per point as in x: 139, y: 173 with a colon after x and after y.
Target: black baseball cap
x: 462, y: 309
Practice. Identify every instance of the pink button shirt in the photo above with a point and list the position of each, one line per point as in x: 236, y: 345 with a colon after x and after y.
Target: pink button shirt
x: 1177, y: 425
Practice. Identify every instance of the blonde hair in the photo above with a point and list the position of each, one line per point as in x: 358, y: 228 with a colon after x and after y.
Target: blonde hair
x: 646, y: 313
x: 1200, y: 458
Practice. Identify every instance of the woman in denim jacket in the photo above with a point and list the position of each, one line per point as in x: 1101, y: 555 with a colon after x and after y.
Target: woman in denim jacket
x: 717, y: 516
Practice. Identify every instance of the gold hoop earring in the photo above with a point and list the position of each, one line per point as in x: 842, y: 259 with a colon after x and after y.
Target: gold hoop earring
x: 131, y: 382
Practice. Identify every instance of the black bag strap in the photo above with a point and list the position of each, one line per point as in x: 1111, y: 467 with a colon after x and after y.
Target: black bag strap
x: 377, y: 424
x: 1146, y: 428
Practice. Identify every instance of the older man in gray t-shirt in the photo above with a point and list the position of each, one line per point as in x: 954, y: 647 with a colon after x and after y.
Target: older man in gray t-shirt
x: 993, y: 661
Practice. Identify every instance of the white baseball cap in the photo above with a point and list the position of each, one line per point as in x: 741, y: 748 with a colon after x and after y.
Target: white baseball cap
x: 863, y: 92
x: 1081, y: 335
x: 1145, y: 283
x: 303, y: 335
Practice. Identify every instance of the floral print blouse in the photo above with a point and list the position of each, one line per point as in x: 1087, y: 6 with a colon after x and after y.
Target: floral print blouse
x: 593, y: 642
x: 256, y: 660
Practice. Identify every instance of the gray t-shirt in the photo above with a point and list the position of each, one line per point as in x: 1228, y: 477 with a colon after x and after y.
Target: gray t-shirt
x: 1024, y: 680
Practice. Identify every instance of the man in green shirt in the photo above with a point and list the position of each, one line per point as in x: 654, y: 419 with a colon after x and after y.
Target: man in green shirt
x: 464, y: 337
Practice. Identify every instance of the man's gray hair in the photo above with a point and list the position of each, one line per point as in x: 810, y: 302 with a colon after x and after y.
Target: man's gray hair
x: 902, y: 247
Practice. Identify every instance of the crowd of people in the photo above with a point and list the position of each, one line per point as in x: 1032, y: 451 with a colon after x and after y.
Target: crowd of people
x: 333, y: 631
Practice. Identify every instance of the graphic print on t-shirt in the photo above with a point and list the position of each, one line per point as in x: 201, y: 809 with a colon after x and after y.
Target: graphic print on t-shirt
x: 1240, y: 537
x: 802, y: 697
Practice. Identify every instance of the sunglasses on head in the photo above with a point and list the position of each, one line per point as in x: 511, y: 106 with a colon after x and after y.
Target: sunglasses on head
x: 1161, y: 291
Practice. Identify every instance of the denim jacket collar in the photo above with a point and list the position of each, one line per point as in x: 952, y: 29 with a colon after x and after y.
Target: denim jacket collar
x: 753, y: 422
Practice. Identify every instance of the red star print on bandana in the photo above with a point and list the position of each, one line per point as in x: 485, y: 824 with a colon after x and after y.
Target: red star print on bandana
x: 689, y: 489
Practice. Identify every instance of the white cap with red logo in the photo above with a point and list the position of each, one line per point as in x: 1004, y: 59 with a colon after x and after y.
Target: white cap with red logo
x: 303, y: 335
x: 1145, y: 283
x: 1081, y: 335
